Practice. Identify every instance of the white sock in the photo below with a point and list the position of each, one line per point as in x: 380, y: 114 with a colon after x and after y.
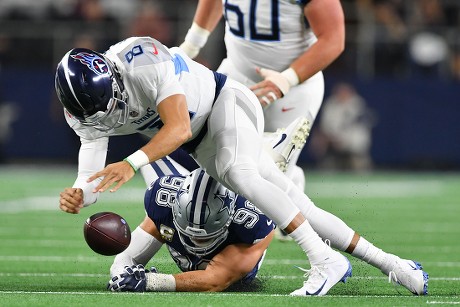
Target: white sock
x: 376, y: 257
x: 141, y: 249
x: 310, y: 243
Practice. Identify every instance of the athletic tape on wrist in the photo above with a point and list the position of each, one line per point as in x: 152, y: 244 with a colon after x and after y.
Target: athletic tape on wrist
x: 197, y: 36
x: 291, y: 76
x: 160, y: 282
x: 137, y: 160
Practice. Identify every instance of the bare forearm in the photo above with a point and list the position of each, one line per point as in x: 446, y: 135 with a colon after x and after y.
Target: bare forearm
x: 208, y: 14
x: 327, y: 21
x: 165, y: 142
x: 198, y: 281
x: 316, y: 59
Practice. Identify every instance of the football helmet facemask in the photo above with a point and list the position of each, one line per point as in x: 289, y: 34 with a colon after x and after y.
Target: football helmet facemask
x: 202, y: 213
x: 90, y: 88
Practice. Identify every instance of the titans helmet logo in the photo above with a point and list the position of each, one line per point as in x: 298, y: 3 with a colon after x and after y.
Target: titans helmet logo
x: 93, y: 62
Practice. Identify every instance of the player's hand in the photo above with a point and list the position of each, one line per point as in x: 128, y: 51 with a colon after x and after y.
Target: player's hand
x: 132, y: 279
x: 71, y: 200
x: 273, y: 87
x: 115, y: 173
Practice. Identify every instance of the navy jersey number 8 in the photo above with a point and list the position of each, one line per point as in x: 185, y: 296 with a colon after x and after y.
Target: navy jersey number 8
x: 253, y: 34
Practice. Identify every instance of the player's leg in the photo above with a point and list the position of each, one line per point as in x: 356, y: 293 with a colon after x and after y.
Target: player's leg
x: 285, y: 146
x: 234, y: 128
x: 303, y: 100
x: 408, y: 273
x: 329, y: 227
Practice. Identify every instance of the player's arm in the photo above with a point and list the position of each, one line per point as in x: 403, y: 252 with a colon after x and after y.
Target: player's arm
x: 207, y: 15
x: 227, y: 267
x: 327, y: 21
x: 91, y: 158
x: 146, y: 241
x: 176, y: 130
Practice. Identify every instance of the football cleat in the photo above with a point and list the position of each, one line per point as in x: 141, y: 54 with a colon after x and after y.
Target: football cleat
x: 322, y: 277
x: 410, y: 275
x: 287, y: 141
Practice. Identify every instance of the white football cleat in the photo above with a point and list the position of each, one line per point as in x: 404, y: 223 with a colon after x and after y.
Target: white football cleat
x: 286, y: 141
x: 322, y: 277
x: 410, y: 275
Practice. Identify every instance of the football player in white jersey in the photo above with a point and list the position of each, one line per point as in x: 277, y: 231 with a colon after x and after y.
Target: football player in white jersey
x: 278, y: 48
x: 141, y: 86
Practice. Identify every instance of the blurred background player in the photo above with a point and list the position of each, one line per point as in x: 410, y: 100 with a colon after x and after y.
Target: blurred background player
x: 344, y: 135
x: 278, y: 49
x: 216, y: 238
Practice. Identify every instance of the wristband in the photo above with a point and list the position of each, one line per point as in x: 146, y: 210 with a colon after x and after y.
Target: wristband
x: 197, y: 36
x: 160, y: 282
x: 137, y: 160
x: 291, y: 76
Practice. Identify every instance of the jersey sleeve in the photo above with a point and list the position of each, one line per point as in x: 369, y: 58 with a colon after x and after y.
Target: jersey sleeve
x: 249, y: 224
x: 159, y: 198
x: 151, y: 66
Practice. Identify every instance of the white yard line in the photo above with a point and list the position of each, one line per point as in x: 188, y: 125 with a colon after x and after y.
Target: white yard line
x: 251, y: 294
x: 52, y: 202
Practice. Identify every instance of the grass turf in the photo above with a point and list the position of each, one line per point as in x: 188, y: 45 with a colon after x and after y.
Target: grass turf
x: 44, y: 260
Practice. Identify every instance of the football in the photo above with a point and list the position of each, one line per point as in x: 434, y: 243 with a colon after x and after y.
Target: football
x: 107, y: 233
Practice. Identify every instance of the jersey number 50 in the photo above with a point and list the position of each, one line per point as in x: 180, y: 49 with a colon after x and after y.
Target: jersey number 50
x: 238, y: 26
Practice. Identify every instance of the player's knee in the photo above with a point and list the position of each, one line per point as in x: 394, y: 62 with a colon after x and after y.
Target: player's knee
x: 242, y: 177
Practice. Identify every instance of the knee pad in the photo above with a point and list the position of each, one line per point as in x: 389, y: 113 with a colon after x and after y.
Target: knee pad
x: 240, y: 177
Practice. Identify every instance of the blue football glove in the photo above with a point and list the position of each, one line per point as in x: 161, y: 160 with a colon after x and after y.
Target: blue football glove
x: 132, y: 279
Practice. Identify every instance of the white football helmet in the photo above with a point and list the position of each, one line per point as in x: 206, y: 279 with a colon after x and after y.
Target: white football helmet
x: 202, y: 213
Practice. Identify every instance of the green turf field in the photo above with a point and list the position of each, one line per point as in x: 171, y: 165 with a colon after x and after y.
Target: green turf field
x: 44, y: 260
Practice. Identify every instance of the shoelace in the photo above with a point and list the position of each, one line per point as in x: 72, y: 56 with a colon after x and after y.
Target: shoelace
x: 393, y: 279
x: 312, y: 274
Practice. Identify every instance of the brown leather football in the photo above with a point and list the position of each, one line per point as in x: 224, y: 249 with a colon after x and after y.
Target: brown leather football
x: 107, y: 233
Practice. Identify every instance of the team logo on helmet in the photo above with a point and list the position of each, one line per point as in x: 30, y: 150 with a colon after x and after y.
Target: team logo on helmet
x: 93, y: 61
x: 227, y: 201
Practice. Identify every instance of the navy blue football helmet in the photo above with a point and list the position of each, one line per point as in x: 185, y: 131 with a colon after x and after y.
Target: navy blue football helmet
x: 202, y: 213
x: 90, y: 88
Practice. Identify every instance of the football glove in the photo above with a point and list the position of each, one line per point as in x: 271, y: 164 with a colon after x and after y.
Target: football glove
x: 132, y: 279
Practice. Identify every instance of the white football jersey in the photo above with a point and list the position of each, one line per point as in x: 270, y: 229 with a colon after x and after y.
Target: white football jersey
x: 268, y: 33
x: 152, y: 72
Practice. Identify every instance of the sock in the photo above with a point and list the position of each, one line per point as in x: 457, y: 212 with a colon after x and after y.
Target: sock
x: 376, y: 257
x: 141, y: 249
x: 310, y: 243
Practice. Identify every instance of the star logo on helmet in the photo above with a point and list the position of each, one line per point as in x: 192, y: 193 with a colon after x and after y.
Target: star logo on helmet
x: 226, y: 199
x: 92, y: 61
